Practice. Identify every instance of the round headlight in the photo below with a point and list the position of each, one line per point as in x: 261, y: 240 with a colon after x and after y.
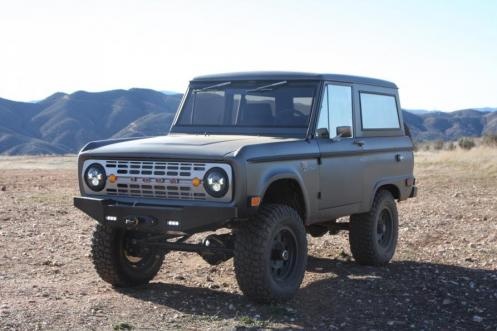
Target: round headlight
x: 216, y: 182
x: 95, y: 177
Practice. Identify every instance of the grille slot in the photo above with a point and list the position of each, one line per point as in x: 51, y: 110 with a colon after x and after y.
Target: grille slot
x: 159, y: 179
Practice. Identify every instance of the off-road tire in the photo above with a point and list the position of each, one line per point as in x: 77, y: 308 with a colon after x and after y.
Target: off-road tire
x: 364, y: 234
x: 254, y: 254
x: 112, y: 265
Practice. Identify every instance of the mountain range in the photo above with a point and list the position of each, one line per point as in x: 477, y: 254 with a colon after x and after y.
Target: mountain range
x: 63, y: 123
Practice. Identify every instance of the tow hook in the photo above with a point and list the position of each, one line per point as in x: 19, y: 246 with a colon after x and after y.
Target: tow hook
x: 132, y: 221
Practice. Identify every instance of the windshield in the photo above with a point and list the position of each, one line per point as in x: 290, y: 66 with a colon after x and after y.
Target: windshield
x: 261, y: 104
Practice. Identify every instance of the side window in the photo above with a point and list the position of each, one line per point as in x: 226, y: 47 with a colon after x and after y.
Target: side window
x: 340, y: 107
x: 379, y: 111
x: 336, y: 108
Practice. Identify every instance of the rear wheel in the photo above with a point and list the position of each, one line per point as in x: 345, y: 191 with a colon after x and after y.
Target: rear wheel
x: 119, y: 261
x: 271, y: 254
x: 373, y: 235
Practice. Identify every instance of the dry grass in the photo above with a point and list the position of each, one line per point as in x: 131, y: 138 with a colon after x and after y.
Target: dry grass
x: 477, y: 162
x: 38, y: 162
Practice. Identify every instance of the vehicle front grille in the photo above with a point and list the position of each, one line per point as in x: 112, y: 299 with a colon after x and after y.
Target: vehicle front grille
x: 157, y: 179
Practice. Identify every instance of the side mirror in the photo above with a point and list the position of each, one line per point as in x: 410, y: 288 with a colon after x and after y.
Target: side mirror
x: 323, y: 133
x: 344, y: 131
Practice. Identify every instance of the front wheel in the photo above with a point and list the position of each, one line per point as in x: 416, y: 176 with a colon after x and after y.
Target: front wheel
x: 271, y: 254
x: 121, y: 263
x: 373, y: 235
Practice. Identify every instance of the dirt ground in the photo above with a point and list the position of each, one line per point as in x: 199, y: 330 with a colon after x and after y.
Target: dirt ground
x: 443, y: 276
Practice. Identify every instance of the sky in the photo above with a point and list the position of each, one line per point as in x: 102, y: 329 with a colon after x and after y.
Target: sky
x: 441, y: 54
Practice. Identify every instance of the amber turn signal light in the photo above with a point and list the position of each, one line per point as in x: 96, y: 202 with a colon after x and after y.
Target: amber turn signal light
x: 112, y: 178
x: 255, y: 201
x: 196, y: 181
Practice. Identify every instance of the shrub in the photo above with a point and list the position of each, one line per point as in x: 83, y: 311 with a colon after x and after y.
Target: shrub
x: 466, y: 143
x: 450, y: 146
x: 438, y: 145
x: 490, y: 140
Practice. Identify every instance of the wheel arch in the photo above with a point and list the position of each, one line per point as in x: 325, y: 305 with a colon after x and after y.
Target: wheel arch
x: 284, y: 186
x: 387, y: 186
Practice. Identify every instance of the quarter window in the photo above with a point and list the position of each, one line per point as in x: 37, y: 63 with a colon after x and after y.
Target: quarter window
x: 379, y: 112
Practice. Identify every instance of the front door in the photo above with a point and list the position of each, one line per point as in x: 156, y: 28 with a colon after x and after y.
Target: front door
x: 341, y: 173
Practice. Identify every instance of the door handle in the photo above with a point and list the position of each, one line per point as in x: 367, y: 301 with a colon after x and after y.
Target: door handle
x: 359, y: 143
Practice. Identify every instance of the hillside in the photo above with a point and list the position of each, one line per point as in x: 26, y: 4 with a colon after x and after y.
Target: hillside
x: 63, y: 123
x: 451, y: 126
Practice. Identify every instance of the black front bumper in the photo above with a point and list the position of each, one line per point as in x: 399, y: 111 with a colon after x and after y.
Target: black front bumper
x: 157, y: 219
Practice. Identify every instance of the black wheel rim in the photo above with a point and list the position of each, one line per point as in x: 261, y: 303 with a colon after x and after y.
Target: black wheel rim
x: 384, y: 228
x: 135, y: 257
x: 283, y: 255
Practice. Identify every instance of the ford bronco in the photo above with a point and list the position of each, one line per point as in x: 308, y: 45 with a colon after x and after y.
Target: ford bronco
x: 270, y: 156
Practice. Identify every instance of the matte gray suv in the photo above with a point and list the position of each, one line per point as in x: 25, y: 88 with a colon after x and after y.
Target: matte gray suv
x: 271, y: 156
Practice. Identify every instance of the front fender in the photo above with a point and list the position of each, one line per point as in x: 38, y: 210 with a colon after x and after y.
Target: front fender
x: 266, y: 175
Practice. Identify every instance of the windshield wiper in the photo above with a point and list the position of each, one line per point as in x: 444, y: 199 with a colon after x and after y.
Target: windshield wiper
x: 210, y: 87
x: 268, y: 87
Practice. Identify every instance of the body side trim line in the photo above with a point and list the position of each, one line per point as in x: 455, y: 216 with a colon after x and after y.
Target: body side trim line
x: 328, y: 154
x: 366, y: 151
x: 289, y: 157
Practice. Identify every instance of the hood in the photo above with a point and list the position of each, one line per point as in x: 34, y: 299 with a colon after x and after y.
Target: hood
x: 186, y: 146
